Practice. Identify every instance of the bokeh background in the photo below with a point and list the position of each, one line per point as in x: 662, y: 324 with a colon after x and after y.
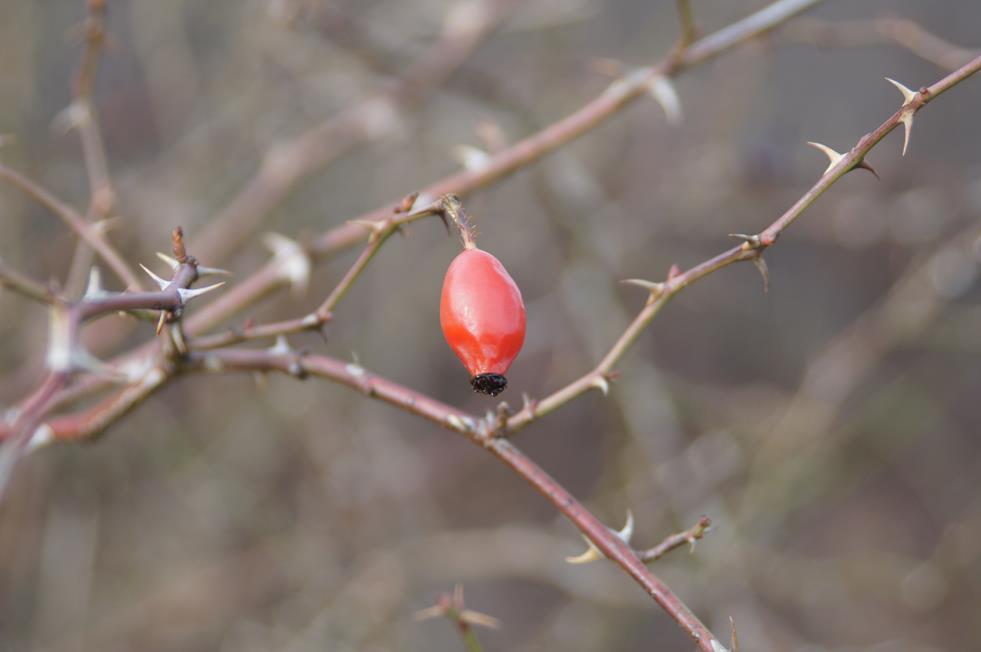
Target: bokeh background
x: 829, y: 428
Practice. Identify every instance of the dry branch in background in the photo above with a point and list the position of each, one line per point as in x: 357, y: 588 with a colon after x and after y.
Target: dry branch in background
x: 191, y: 345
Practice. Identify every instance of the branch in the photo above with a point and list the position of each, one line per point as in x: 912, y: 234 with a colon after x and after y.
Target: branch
x: 379, y: 234
x: 606, y: 541
x: 65, y: 354
x: 677, y: 540
x: 84, y: 118
x: 87, y: 124
x: 688, y: 30
x: 481, y: 432
x: 752, y: 249
x: 88, y: 232
x: 24, y: 285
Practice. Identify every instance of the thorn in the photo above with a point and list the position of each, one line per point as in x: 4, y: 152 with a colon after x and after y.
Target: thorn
x: 167, y: 259
x: 662, y: 90
x: 647, y: 285
x: 186, y: 294
x: 761, y: 267
x: 212, y: 271
x: 906, y: 117
x: 865, y: 166
x: 156, y: 279
x: 292, y: 260
x: 160, y: 322
x: 833, y: 156
x: 592, y: 553
x: 733, y: 638
x: 471, y: 158
x: 674, y: 271
x: 627, y: 532
x: 281, y: 346
x: 655, y: 289
x: 908, y: 95
x: 43, y: 435
x: 749, y: 241
x: 94, y: 287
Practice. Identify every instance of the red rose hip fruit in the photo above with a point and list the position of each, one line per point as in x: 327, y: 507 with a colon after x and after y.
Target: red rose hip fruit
x: 483, y: 318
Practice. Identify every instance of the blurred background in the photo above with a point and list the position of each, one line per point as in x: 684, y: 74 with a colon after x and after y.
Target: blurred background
x: 829, y: 428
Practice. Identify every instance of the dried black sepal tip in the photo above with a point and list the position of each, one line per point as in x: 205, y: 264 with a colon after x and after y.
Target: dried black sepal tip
x: 491, y: 384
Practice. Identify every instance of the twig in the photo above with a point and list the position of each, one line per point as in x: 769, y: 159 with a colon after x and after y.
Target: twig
x: 751, y: 250
x: 85, y: 119
x: 688, y: 30
x: 88, y: 232
x: 24, y: 285
x: 677, y: 540
x: 88, y: 126
x: 379, y: 234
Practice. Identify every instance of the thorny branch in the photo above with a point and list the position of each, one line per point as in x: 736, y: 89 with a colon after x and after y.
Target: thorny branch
x: 66, y: 356
x: 30, y: 426
x: 293, y: 266
x: 750, y: 250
